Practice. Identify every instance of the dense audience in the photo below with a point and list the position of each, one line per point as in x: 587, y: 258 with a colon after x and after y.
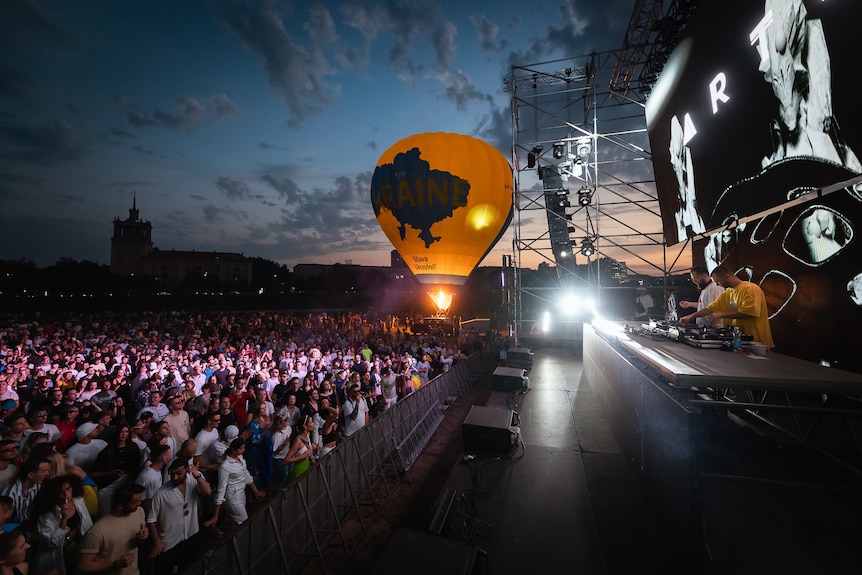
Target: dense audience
x: 126, y: 440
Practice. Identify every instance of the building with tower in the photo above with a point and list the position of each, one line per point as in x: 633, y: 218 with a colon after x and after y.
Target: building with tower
x: 133, y: 253
x: 131, y: 242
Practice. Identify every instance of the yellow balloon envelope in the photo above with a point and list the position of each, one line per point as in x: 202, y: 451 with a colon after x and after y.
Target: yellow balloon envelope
x: 443, y: 200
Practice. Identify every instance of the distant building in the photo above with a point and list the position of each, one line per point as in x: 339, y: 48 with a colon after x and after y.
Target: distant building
x: 133, y: 253
x: 132, y: 241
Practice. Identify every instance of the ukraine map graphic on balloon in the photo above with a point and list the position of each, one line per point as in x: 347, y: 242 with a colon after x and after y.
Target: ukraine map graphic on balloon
x: 420, y: 200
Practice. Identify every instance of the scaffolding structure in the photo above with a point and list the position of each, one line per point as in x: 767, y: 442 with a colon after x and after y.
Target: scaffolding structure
x: 584, y: 186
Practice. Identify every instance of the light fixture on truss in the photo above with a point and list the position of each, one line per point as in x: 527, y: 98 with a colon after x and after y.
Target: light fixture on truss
x: 588, y: 249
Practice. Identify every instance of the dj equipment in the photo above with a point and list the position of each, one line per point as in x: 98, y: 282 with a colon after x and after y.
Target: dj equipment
x: 696, y: 336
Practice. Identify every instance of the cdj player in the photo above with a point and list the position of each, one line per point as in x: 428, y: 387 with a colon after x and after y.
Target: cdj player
x: 696, y: 336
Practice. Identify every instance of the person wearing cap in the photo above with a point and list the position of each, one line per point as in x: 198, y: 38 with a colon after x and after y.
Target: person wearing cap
x: 220, y: 447
x: 83, y: 453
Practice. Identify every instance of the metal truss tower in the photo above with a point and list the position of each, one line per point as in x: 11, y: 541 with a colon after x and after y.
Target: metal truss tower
x: 584, y: 185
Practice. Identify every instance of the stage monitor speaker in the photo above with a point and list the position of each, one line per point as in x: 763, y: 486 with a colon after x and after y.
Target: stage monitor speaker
x: 509, y: 379
x: 490, y: 430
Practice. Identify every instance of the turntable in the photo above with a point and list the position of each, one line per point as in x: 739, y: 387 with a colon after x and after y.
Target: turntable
x: 712, y: 338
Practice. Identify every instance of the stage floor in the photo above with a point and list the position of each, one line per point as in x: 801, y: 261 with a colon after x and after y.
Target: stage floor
x: 567, y: 498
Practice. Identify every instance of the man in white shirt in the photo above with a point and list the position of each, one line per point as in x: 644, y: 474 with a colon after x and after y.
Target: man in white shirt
x: 151, y: 476
x: 84, y: 452
x: 173, y: 518
x: 355, y: 411
x: 709, y: 292
x: 205, y: 458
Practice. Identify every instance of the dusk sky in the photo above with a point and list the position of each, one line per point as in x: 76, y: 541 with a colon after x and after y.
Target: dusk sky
x: 250, y: 126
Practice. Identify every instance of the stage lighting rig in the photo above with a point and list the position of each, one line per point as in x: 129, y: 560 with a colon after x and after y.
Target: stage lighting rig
x: 562, y: 200
x: 583, y: 149
x: 585, y: 196
x: 559, y: 150
x: 588, y: 249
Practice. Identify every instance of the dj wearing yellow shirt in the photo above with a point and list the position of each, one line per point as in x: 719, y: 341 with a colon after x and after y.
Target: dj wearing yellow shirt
x: 743, y: 302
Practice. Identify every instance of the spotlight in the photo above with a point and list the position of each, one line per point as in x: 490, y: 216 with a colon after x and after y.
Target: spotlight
x: 585, y: 197
x: 583, y: 148
x: 559, y: 150
x: 587, y: 247
x: 563, y: 200
x: 532, y: 156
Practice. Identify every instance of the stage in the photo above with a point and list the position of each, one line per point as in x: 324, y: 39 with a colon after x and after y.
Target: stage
x: 619, y: 469
x: 742, y: 457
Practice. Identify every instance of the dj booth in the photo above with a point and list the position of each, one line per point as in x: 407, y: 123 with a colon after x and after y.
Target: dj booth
x: 670, y: 399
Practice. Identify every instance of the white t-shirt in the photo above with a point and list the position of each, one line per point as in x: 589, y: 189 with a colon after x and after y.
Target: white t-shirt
x: 205, y: 440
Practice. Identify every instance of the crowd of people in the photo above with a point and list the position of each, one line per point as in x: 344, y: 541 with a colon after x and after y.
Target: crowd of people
x: 125, y: 440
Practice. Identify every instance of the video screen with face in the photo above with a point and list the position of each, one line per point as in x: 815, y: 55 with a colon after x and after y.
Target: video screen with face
x: 756, y: 108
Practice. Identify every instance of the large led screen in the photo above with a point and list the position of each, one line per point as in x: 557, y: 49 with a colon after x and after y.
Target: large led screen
x: 756, y: 107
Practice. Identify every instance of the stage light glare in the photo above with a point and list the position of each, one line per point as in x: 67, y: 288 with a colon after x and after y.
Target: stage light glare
x: 569, y: 304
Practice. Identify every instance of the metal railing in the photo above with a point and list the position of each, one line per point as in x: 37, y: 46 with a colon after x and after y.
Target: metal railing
x: 318, y: 519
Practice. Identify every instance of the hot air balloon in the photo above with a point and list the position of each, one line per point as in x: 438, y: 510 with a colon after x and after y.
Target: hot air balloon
x: 443, y: 200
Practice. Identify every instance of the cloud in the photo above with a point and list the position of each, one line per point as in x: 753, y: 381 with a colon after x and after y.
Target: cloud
x: 233, y: 188
x: 213, y: 214
x: 496, y: 129
x: 297, y: 72
x: 286, y: 187
x: 487, y: 31
x: 268, y: 146
x: 48, y: 144
x: 459, y: 89
x: 191, y: 114
x: 444, y: 43
x: 332, y: 217
x: 223, y: 106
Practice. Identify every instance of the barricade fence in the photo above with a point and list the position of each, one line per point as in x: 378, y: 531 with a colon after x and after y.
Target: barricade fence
x: 319, y: 518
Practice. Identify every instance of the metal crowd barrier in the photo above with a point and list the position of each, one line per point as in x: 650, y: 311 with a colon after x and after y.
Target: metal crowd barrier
x: 318, y: 519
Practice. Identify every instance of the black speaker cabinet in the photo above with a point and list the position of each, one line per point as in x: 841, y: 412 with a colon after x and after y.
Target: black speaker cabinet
x: 509, y: 379
x: 490, y: 430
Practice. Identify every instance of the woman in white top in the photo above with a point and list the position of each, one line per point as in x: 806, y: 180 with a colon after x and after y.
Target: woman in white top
x: 233, y: 477
x: 62, y: 519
